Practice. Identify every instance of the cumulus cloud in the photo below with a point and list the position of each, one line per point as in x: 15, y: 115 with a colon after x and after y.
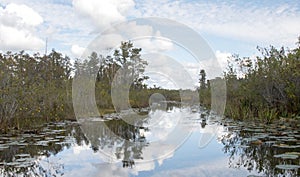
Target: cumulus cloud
x: 77, y: 50
x: 222, y: 58
x: 178, y: 72
x: 104, y: 12
x: 24, y: 13
x: 142, y: 36
x: 17, y: 28
x: 167, y: 72
x: 154, y: 44
x: 213, y: 68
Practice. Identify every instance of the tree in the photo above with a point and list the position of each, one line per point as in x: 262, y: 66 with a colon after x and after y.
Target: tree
x: 267, y: 87
x: 202, y: 79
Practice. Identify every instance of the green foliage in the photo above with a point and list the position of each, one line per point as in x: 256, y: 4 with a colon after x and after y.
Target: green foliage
x: 202, y: 79
x: 204, y: 90
x: 34, y: 87
x: 267, y: 87
x: 103, y: 70
x: 39, y: 87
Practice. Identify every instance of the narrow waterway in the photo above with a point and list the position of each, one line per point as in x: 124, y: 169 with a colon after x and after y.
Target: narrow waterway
x: 178, y: 142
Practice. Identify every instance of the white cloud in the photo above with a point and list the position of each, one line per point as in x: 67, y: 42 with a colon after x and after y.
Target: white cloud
x: 260, y: 24
x: 213, y: 67
x: 142, y: 36
x: 222, y: 58
x: 17, y: 28
x: 77, y: 51
x: 154, y: 44
x: 104, y: 12
x: 167, y: 72
x: 177, y: 72
x: 15, y: 39
x: 62, y: 25
x: 24, y: 13
x: 75, y: 22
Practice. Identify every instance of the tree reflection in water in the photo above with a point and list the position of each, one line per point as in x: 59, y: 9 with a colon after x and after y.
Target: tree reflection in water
x: 126, y: 139
x: 249, y: 146
x: 27, y: 154
x: 253, y: 146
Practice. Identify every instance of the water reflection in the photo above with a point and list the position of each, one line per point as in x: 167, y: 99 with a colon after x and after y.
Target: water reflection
x: 137, y: 138
x: 26, y: 154
x: 124, y: 141
x: 272, y: 150
x: 142, y: 146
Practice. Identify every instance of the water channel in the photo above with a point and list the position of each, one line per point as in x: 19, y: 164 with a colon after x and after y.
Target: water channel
x: 176, y: 142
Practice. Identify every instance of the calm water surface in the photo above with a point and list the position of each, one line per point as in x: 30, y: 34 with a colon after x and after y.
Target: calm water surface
x: 177, y: 142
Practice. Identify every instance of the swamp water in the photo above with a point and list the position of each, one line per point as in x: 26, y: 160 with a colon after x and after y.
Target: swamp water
x: 177, y: 142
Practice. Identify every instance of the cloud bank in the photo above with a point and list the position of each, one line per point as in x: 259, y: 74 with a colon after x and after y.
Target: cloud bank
x: 18, y: 25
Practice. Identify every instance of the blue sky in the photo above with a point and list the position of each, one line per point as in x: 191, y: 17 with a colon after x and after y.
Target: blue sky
x: 229, y: 27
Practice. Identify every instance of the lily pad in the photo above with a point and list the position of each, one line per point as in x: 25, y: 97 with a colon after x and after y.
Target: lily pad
x: 250, y: 139
x: 257, y: 142
x: 60, y: 137
x: 286, y: 156
x: 14, y: 143
x: 22, y: 144
x: 54, y: 140
x: 21, y: 160
x: 294, y: 153
x: 23, y: 165
x: 282, y: 137
x: 60, y: 143
x: 42, y: 143
x: 2, y: 147
x: 271, y: 130
x: 5, y: 138
x: 270, y: 142
x: 29, y: 159
x: 288, y: 167
x: 12, y: 163
x: 262, y: 136
x: 289, y: 140
x: 297, y: 136
x: 22, y: 155
x: 254, y: 130
x: 243, y: 146
x: 286, y: 146
x: 49, y: 138
x: 58, y: 131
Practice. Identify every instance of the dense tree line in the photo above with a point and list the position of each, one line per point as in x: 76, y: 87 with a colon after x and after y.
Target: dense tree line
x: 265, y: 88
x: 104, y: 71
x: 124, y: 67
x: 39, y: 87
x: 34, y: 86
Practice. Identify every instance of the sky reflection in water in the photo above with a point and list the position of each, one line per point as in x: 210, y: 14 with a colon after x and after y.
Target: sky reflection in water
x: 197, y: 145
x: 188, y: 160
